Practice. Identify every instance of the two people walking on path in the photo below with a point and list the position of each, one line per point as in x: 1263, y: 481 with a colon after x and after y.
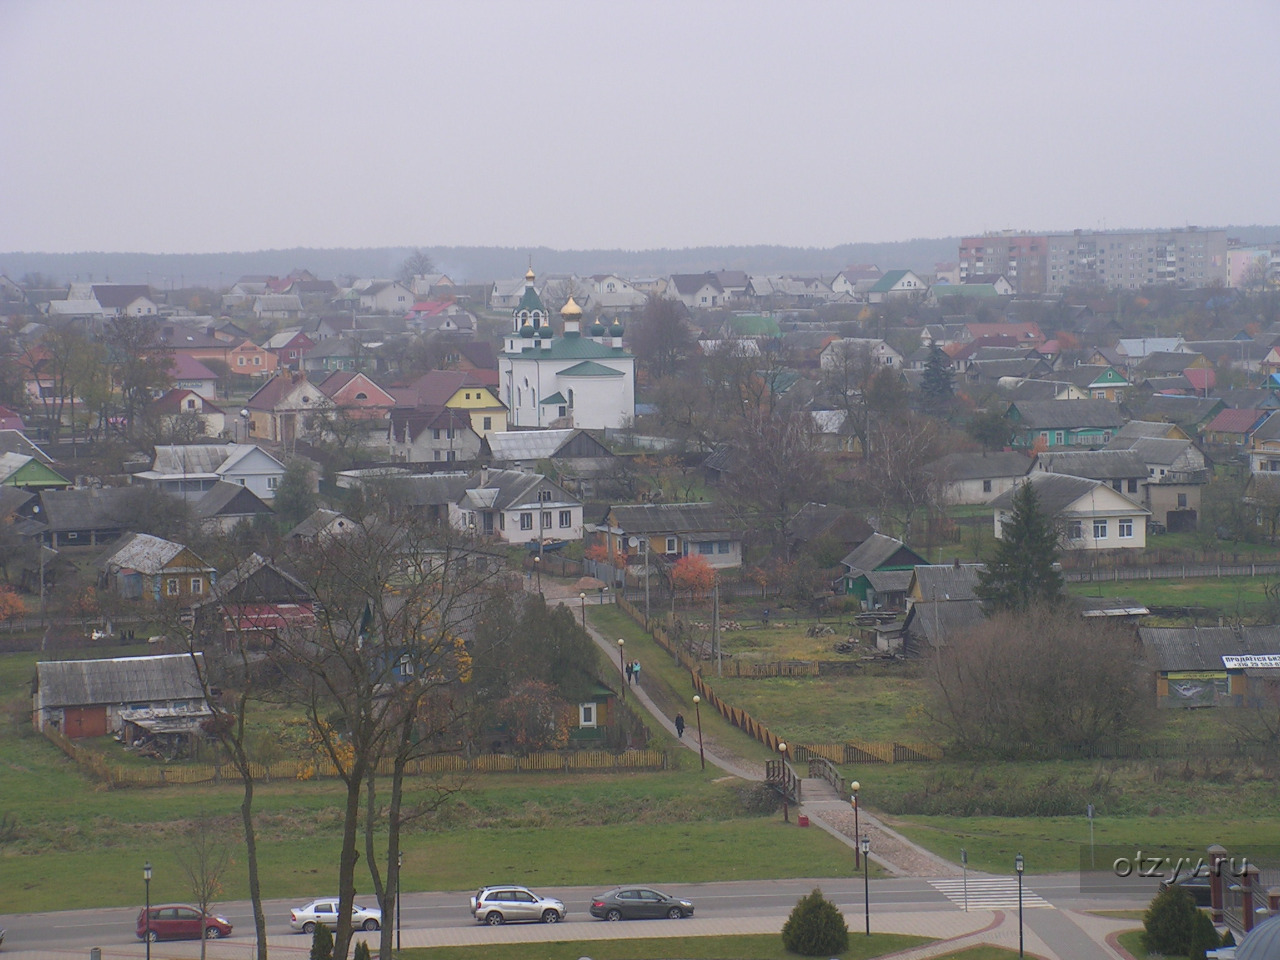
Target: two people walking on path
x: 633, y: 671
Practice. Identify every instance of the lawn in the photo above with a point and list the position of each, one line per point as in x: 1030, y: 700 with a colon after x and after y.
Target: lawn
x: 756, y: 947
x: 1228, y: 595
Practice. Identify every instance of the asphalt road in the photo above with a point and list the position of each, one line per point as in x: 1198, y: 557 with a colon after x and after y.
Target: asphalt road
x: 82, y: 929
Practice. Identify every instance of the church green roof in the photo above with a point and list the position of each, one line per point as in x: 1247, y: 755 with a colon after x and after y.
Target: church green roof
x: 572, y: 348
x: 589, y: 368
x: 530, y: 301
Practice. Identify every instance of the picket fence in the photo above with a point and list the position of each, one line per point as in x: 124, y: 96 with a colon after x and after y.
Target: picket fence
x: 118, y: 775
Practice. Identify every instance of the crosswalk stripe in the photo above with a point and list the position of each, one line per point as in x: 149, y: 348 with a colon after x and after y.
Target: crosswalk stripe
x: 989, y: 893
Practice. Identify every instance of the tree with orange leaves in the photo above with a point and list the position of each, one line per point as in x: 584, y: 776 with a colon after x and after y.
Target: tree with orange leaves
x: 693, y: 573
x: 11, y: 604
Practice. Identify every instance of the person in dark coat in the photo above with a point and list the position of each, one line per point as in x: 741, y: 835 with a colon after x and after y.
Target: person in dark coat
x: 680, y: 725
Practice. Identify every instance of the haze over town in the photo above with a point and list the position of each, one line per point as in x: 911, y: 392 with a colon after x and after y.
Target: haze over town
x: 174, y: 128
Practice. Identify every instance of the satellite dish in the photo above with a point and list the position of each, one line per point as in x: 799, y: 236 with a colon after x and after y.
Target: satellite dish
x: 634, y: 542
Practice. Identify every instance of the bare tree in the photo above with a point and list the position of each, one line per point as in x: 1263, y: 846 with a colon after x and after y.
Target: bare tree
x: 660, y: 338
x: 204, y: 857
x: 897, y: 474
x: 416, y: 264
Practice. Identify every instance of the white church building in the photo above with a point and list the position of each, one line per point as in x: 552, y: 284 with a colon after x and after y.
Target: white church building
x: 587, y: 382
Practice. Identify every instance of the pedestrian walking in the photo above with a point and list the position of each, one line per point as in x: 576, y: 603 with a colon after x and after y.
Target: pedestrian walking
x: 680, y: 725
x: 635, y: 673
x: 629, y: 665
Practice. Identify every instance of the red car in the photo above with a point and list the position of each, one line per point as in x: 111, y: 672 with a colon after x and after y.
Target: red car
x: 180, y: 921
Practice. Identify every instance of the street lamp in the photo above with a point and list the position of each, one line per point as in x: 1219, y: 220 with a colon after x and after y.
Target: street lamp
x: 697, y: 712
x: 1019, y: 864
x: 582, y: 596
x: 866, y: 877
x: 622, y: 668
x: 537, y: 565
x: 146, y: 882
x: 854, y: 787
x: 399, y: 866
x: 782, y: 749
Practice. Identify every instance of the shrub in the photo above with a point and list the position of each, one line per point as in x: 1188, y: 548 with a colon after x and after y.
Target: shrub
x: 362, y: 951
x: 1170, y: 922
x: 1228, y: 939
x: 815, y: 927
x: 1203, y: 936
x: 321, y: 943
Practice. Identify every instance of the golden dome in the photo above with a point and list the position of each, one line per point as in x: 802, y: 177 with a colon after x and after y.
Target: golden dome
x: 571, y: 309
x: 529, y: 275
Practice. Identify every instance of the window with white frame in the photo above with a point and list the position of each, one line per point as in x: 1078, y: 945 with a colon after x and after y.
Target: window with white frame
x: 1075, y: 529
x: 671, y: 545
x: 171, y: 586
x: 546, y: 519
x: 566, y: 518
x: 1124, y: 527
x: 1099, y: 529
x: 197, y: 585
x: 586, y: 714
x: 273, y: 483
x: 526, y: 521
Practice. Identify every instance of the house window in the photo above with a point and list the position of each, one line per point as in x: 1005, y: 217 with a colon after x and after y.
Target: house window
x: 544, y: 496
x: 448, y: 433
x: 239, y: 361
x: 1075, y: 529
x: 723, y: 546
x: 671, y: 545
x: 1133, y: 485
x: 435, y: 454
x: 171, y: 586
x: 586, y: 714
x: 435, y: 433
x: 526, y: 521
x: 191, y: 404
x: 453, y: 455
x: 546, y: 519
x: 1059, y: 438
x: 273, y: 483
x: 502, y: 521
x: 706, y: 548
x: 1182, y: 501
x: 197, y: 585
x: 362, y: 396
x: 488, y: 423
x: 1099, y: 529
x: 1125, y: 527
x: 566, y: 518
x: 986, y: 486
x: 257, y: 361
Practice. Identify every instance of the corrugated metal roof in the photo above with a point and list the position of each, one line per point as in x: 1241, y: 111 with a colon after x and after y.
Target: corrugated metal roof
x: 1202, y: 648
x: 141, y: 552
x: 947, y: 581
x: 1093, y: 464
x: 118, y: 680
x: 670, y: 518
x: 527, y: 444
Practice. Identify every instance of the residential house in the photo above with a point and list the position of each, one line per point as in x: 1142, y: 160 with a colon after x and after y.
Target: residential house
x: 968, y: 478
x: 1229, y: 666
x: 1120, y: 467
x: 942, y: 602
x: 94, y: 698
x: 87, y: 517
x: 854, y: 281
x: 249, y: 359
x: 430, y: 496
x: 697, y: 291
x: 833, y: 431
x: 335, y: 353
x: 283, y: 409
x: 567, y: 381
x: 1232, y: 430
x: 610, y: 293
x: 125, y: 300
x: 277, y: 306
x: 225, y: 505
x: 1105, y: 383
x: 459, y: 390
x: 387, y: 296
x: 517, y: 507
x: 356, y: 396
x: 191, y: 470
x: 897, y: 285
x: 581, y: 461
x: 1177, y: 473
x: 289, y: 346
x: 847, y: 349
x: 321, y: 525
x: 143, y: 567
x: 188, y: 373
x: 436, y: 434
x: 666, y: 532
x: 254, y: 602
x: 1152, y: 428
x: 11, y: 419
x: 878, y: 572
x: 1264, y: 447
x: 1047, y: 424
x: 1192, y: 414
x: 178, y: 410
x: 30, y: 473
x: 1089, y: 514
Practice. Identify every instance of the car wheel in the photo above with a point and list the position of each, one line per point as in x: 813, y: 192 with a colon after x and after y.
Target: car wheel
x: 550, y: 916
x: 371, y: 924
x: 211, y: 933
x: 153, y: 936
x: 613, y: 915
x: 308, y: 927
x: 675, y: 913
x: 493, y: 918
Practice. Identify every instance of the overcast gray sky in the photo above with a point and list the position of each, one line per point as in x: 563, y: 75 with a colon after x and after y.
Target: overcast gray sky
x: 217, y: 126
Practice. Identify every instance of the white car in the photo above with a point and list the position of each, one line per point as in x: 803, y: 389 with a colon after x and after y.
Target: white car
x: 325, y: 911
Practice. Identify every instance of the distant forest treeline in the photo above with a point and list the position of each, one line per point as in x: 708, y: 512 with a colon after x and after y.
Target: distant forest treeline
x: 480, y: 264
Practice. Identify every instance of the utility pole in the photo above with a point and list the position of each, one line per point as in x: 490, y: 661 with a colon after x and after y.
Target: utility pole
x: 715, y: 624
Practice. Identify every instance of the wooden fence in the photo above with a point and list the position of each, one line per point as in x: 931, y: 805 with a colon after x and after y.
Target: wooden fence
x: 851, y: 752
x: 119, y: 775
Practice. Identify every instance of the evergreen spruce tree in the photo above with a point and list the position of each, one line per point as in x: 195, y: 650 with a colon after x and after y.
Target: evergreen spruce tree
x: 1022, y: 571
x: 295, y: 500
x: 321, y: 943
x: 937, y: 385
x: 815, y: 928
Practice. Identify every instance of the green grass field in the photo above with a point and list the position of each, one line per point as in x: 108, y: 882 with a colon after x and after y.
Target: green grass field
x: 757, y: 947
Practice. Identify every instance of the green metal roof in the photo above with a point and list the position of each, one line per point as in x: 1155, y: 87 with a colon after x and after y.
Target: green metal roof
x: 572, y: 348
x: 530, y: 301
x: 885, y: 283
x: 755, y: 326
x: 589, y: 368
x: 554, y: 399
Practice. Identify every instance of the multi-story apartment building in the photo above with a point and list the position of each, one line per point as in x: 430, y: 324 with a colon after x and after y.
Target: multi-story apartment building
x: 1048, y: 263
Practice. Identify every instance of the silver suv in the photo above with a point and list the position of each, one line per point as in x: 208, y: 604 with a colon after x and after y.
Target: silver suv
x: 499, y: 904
